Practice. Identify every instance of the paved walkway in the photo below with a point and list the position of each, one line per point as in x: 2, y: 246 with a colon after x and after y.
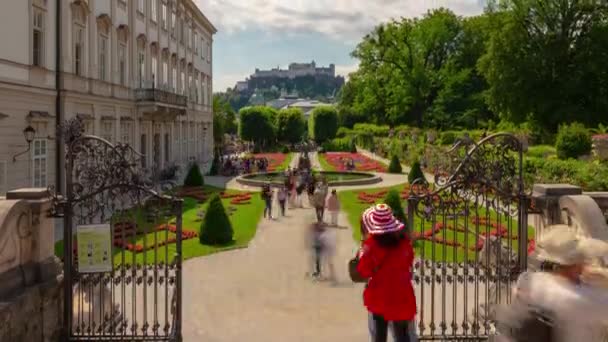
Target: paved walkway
x: 262, y: 294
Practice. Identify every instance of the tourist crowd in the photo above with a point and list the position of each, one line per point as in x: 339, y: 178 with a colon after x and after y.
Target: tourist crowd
x: 233, y: 165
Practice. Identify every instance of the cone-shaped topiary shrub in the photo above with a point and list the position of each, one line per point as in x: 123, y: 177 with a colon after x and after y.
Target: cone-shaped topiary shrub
x: 194, y: 177
x: 415, y: 172
x: 393, y: 200
x: 216, y: 228
x: 395, y: 165
x: 285, y: 149
x: 215, y: 165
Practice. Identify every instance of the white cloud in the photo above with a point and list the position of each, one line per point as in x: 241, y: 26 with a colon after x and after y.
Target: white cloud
x: 345, y: 20
x: 345, y: 70
x: 223, y: 81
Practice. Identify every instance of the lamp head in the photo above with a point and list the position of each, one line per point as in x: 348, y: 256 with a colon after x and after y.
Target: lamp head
x: 29, y: 133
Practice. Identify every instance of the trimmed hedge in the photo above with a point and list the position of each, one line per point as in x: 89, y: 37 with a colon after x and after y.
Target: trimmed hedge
x: 395, y: 165
x: 393, y: 200
x: 194, y: 177
x: 415, y: 173
x: 216, y: 228
x: 323, y: 124
x: 573, y: 141
x: 215, y: 165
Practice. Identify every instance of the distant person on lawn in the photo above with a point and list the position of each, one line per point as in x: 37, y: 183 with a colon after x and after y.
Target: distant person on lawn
x: 333, y: 207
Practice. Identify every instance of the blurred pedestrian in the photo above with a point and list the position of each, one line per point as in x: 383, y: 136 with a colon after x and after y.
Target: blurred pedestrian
x: 282, y: 197
x: 318, y: 201
x: 563, y: 302
x: 267, y: 197
x: 385, y: 260
x: 333, y: 207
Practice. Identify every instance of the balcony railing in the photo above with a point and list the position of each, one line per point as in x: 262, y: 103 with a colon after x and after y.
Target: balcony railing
x: 157, y: 95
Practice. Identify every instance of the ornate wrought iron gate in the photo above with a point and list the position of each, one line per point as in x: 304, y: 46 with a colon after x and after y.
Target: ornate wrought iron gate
x: 139, y: 296
x: 472, y: 238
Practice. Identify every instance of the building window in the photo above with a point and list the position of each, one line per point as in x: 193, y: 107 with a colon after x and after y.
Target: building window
x: 153, y: 11
x: 141, y: 70
x: 164, y: 15
x: 107, y: 130
x: 165, y: 73
x: 182, y: 32
x: 178, y: 137
x: 140, y: 6
x: 203, y: 48
x: 204, y: 90
x: 190, y: 86
x: 103, y: 51
x: 126, y: 132
x: 191, y: 136
x: 167, y: 147
x: 174, y: 78
x: 197, y: 91
x: 173, y: 21
x: 154, y: 71
x: 143, y: 150
x: 209, y: 52
x: 183, y: 82
x: 39, y: 161
x: 38, y: 38
x: 122, y: 63
x: 195, y: 38
x: 78, y: 50
x: 184, y: 141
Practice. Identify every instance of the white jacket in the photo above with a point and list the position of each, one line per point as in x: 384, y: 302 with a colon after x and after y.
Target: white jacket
x: 580, y: 311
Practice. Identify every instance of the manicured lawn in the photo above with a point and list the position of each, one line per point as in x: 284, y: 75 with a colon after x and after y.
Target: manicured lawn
x: 244, y: 221
x: 353, y: 206
x: 285, y: 164
x: 325, y: 166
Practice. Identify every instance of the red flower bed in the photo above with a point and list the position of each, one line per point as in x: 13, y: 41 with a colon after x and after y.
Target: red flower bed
x: 369, y: 198
x: 138, y: 248
x: 275, y: 160
x: 338, y: 161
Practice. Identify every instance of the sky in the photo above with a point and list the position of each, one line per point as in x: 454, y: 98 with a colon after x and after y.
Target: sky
x: 273, y: 33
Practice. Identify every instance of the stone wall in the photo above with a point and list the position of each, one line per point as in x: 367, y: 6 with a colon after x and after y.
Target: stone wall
x: 31, y: 281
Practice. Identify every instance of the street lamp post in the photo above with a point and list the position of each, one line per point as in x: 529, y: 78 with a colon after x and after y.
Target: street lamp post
x: 29, y: 133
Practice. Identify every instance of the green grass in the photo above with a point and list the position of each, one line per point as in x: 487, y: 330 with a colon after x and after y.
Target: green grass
x: 285, y: 164
x: 426, y: 249
x: 244, y: 222
x: 325, y: 165
x: 330, y: 177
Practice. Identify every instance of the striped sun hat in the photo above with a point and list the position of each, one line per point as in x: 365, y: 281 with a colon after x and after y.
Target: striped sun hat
x: 379, y: 219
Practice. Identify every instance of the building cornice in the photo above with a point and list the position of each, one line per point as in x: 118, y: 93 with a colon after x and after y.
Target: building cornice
x: 200, y: 16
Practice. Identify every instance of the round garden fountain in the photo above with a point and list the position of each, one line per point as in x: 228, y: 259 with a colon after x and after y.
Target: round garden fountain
x: 334, y: 178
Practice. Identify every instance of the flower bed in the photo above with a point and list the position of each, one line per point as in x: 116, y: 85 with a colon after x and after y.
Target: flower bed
x: 275, y: 160
x: 434, y: 235
x: 338, y: 161
x: 127, y: 244
x: 238, y: 199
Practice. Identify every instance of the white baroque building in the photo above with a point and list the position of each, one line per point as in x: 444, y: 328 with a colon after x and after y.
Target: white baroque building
x: 136, y: 71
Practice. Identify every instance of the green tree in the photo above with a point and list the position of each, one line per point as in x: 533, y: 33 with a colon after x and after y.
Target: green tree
x: 290, y: 125
x: 194, y: 176
x: 257, y: 124
x: 543, y: 62
x: 323, y: 123
x: 393, y: 200
x: 216, y: 228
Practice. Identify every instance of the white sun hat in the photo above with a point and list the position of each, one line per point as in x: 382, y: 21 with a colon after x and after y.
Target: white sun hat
x: 561, y: 245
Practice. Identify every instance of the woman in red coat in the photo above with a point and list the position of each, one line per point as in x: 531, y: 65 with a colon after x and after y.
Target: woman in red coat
x: 386, y: 258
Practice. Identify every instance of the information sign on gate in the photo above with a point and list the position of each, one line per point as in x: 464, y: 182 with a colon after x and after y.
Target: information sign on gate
x: 94, y: 248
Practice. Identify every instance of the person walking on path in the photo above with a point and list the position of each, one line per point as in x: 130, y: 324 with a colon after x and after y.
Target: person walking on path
x: 316, y: 242
x: 267, y: 197
x: 385, y: 259
x: 333, y: 207
x: 564, y: 302
x: 282, y: 197
x: 319, y: 203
